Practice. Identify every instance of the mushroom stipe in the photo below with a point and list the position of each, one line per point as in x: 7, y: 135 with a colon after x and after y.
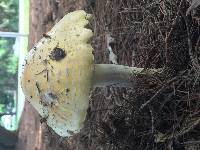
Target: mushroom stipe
x: 64, y: 55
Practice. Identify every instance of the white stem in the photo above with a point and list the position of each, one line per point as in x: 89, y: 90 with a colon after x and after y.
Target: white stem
x: 118, y: 75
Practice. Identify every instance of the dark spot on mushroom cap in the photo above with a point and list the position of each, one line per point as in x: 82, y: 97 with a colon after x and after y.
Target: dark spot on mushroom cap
x: 42, y: 120
x: 67, y: 91
x: 45, y: 61
x: 43, y: 103
x: 38, y: 87
x: 53, y: 96
x: 29, y: 80
x: 48, y: 99
x: 46, y: 35
x: 57, y: 54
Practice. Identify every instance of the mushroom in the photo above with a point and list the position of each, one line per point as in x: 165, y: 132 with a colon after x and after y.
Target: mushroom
x: 59, y: 72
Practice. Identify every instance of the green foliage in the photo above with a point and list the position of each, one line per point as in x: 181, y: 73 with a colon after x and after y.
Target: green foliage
x: 8, y: 71
x: 9, y: 15
x: 2, y: 108
x: 7, y: 60
x: 6, y: 98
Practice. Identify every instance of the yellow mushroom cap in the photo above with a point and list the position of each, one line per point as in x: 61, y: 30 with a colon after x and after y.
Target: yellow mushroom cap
x: 58, y: 73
